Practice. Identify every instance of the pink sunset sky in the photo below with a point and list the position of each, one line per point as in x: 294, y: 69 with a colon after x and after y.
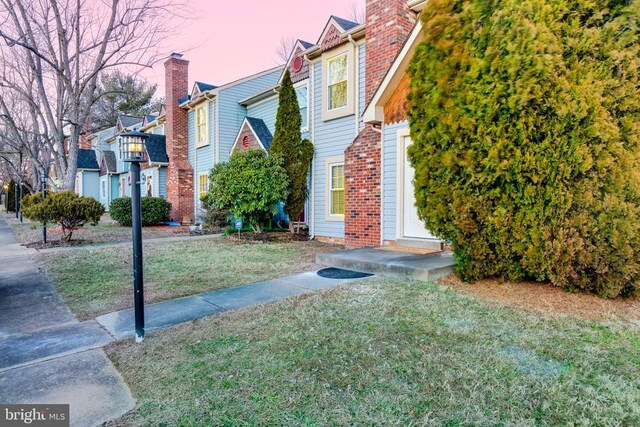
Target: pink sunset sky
x: 225, y: 40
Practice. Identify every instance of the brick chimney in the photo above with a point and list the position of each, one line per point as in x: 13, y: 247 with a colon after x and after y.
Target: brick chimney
x: 389, y: 23
x: 179, y: 172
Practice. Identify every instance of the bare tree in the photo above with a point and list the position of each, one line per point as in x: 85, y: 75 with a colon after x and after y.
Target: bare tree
x: 284, y: 48
x: 355, y: 12
x: 52, y: 53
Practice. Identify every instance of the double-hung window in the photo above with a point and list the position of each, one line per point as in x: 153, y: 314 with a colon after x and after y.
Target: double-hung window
x: 335, y: 190
x: 203, y: 184
x: 303, y: 103
x: 337, y: 81
x: 202, y: 128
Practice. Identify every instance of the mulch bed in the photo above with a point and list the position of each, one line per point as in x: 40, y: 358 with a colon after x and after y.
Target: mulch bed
x: 548, y: 300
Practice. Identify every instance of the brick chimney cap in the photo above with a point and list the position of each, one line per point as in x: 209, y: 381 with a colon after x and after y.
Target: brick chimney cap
x: 176, y: 55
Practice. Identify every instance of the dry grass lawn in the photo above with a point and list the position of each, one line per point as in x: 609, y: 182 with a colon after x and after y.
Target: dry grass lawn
x: 385, y: 352
x: 95, y: 281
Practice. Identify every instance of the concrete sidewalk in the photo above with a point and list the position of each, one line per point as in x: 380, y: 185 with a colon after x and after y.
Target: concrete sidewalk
x: 35, y: 327
x: 168, y: 313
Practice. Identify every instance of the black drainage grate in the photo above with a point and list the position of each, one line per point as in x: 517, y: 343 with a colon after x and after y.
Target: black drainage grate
x: 338, y: 273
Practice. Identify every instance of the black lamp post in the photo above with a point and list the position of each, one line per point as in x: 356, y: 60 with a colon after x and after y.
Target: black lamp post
x: 43, y: 179
x: 133, y: 151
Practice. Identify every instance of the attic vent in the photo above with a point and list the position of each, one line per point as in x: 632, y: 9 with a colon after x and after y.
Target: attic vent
x: 245, y: 141
x: 296, y: 66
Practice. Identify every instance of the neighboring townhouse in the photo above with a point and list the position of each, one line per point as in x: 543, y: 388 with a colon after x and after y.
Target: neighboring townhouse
x: 114, y: 179
x: 214, y: 119
x: 88, y: 174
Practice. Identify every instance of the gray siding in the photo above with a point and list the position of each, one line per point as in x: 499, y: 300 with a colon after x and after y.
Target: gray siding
x: 91, y: 184
x: 162, y: 182
x: 331, y: 139
x: 390, y: 176
x: 231, y: 114
x: 265, y: 110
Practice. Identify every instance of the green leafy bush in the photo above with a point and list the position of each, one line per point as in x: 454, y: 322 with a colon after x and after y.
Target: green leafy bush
x: 64, y: 208
x: 154, y: 210
x: 249, y: 185
x: 296, y: 153
x: 525, y: 118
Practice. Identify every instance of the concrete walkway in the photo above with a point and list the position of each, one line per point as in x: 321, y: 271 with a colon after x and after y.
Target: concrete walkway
x: 37, y: 329
x: 164, y: 314
x: 47, y: 356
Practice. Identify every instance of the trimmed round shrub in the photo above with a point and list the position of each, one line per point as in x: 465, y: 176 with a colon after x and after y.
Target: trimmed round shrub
x: 64, y: 208
x: 525, y: 118
x: 155, y: 210
x: 249, y: 185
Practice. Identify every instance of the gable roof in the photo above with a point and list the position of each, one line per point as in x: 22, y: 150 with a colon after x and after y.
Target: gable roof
x: 305, y: 44
x: 87, y: 159
x: 157, y: 148
x: 193, y: 99
x: 345, y: 23
x: 129, y: 121
x: 109, y: 158
x: 261, y: 131
x: 204, y: 86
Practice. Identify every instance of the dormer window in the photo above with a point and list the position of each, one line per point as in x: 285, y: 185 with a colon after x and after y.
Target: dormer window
x: 202, y: 126
x: 337, y: 76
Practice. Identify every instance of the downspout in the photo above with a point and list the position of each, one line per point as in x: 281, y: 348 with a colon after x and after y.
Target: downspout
x: 312, y: 127
x: 381, y: 181
x: 357, y: 82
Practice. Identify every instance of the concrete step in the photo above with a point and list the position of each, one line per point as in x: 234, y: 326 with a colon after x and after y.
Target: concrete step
x: 422, y: 267
x: 420, y: 243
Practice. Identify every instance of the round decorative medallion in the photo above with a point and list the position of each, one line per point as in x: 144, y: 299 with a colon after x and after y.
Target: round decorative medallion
x: 296, y: 66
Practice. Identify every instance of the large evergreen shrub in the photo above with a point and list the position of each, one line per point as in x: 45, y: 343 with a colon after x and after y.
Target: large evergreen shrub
x: 525, y: 118
x: 296, y: 153
x: 249, y: 185
x: 64, y: 208
x: 155, y: 210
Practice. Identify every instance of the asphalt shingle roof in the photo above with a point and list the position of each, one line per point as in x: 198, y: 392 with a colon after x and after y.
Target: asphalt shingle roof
x: 87, y: 159
x: 110, y: 160
x: 305, y: 44
x: 345, y: 23
x: 262, y: 131
x: 128, y: 121
x: 157, y: 148
x: 203, y: 87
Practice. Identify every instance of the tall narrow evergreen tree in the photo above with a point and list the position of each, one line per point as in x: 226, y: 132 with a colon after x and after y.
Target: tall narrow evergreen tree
x: 296, y: 154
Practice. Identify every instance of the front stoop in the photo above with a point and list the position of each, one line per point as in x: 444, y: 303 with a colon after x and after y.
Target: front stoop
x: 422, y: 267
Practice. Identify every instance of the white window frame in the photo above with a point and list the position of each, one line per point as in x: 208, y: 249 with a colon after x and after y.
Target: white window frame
x: 200, y: 175
x: 330, y: 164
x: 348, y: 109
x: 205, y: 110
x: 297, y: 86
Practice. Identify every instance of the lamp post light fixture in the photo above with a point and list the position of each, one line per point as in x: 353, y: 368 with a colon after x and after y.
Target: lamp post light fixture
x: 134, y: 152
x: 43, y: 180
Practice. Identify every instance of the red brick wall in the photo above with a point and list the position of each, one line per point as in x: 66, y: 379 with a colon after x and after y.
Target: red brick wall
x: 179, y: 172
x: 389, y: 22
